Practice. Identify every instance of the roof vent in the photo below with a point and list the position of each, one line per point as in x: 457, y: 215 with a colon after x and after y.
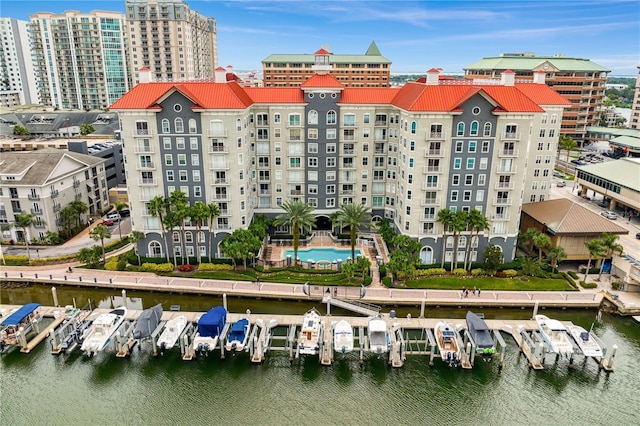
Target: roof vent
x: 432, y: 77
x: 508, y: 78
x: 145, y: 75
x: 220, y: 75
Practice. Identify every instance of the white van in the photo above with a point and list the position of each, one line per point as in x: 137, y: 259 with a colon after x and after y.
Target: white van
x: 113, y: 216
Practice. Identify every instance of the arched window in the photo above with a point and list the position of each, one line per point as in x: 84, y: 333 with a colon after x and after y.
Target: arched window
x: 238, y: 125
x: 449, y: 242
x: 176, y: 237
x: 193, y: 127
x: 313, y: 117
x: 462, y: 241
x: 165, y: 125
x: 179, y: 125
x: 201, y: 237
x: 487, y: 129
x: 331, y: 117
x: 154, y: 249
x: 414, y: 126
x: 460, y: 129
x: 188, y: 237
x: 474, y: 128
x: 426, y: 255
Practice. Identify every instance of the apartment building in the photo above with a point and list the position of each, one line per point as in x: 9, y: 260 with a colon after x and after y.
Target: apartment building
x: 44, y: 182
x: 291, y: 70
x: 80, y: 59
x: 634, y: 122
x: 175, y: 42
x: 17, y: 80
x: 405, y: 152
x: 580, y: 81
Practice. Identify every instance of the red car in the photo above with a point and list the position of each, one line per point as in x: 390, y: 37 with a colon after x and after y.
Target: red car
x: 107, y: 222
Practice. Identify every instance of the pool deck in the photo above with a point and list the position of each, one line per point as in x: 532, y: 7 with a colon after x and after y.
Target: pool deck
x: 277, y: 252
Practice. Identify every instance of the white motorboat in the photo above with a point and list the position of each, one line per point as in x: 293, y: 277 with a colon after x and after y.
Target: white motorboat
x: 98, y: 336
x: 342, y: 337
x: 448, y: 343
x: 587, y: 342
x: 378, y: 338
x: 238, y: 336
x: 309, y: 340
x: 555, y: 334
x: 171, y: 333
x: 19, y: 323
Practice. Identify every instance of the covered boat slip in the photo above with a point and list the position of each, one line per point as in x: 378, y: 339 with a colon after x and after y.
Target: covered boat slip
x: 479, y: 333
x: 18, y: 324
x: 212, y: 323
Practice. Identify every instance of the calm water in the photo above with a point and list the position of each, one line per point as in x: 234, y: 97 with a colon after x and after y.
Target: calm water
x: 40, y: 388
x: 326, y: 254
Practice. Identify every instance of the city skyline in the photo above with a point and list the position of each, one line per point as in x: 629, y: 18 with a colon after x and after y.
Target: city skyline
x: 414, y: 35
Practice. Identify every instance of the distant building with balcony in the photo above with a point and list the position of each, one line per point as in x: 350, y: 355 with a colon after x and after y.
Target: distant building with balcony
x: 43, y: 183
x: 17, y: 80
x: 634, y: 122
x: 580, y: 81
x: 292, y: 70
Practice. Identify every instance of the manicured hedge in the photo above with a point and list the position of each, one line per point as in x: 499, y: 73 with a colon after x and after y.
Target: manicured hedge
x: 214, y: 267
x: 162, y: 268
x: 588, y: 285
x: 386, y: 281
x: 429, y: 272
x: 16, y: 260
x: 591, y: 271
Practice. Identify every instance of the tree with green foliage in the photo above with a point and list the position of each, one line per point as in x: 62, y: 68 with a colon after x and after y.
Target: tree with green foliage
x: 19, y: 130
x: 242, y: 244
x: 530, y: 266
x: 86, y: 129
x: 596, y: 250
x: 402, y: 264
x: 493, y: 258
x: 214, y: 212
x: 298, y: 216
x: 52, y: 238
x: 556, y: 255
x: 350, y: 268
x: 100, y: 233
x: 541, y: 241
x: 259, y: 226
x: 569, y: 144
x: 67, y: 218
x: 610, y: 246
x: 385, y: 229
x: 135, y: 237
x: 24, y: 221
x: 476, y: 222
x: 158, y: 207
x: 78, y: 207
x: 445, y: 217
x: 179, y: 204
x: 364, y: 265
x: 199, y: 213
x: 89, y: 256
x: 119, y: 207
x: 354, y: 216
x: 405, y: 242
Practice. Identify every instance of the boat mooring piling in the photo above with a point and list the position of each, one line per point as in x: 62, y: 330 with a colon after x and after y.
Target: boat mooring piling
x: 55, y: 297
x: 224, y: 301
x: 422, y: 308
x: 124, y: 298
x: 535, y: 310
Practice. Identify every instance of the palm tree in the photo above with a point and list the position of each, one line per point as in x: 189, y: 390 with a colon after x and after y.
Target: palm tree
x: 171, y: 221
x: 610, y: 246
x: 79, y: 208
x: 354, y: 216
x: 119, y: 207
x: 445, y: 217
x: 135, y: 237
x: 335, y: 221
x: 199, y: 213
x: 214, y: 212
x: 569, y: 144
x: 595, y: 250
x: 24, y: 222
x: 298, y: 215
x: 158, y: 208
x: 526, y: 239
x: 459, y: 225
x: 180, y: 206
x: 542, y: 241
x: 556, y: 255
x: 101, y: 232
x: 477, y: 223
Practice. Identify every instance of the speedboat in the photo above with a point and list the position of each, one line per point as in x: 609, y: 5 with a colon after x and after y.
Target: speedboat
x: 171, y: 333
x: 309, y: 340
x: 238, y: 336
x: 587, y: 342
x: 342, y: 337
x: 210, y: 326
x: 481, y: 335
x: 448, y: 344
x: 378, y: 338
x: 102, y: 329
x: 555, y: 334
x: 22, y: 318
x: 147, y: 322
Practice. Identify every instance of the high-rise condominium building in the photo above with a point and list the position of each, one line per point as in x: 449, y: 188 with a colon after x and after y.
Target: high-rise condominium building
x: 291, y: 70
x: 634, y: 122
x: 175, y: 42
x: 405, y: 152
x: 80, y: 58
x: 580, y: 81
x: 17, y: 79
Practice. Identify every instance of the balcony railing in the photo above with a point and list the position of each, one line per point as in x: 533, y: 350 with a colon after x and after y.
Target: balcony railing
x: 142, y: 133
x: 76, y: 183
x: 504, y: 185
x: 507, y: 170
x: 218, y: 149
x: 428, y: 217
x: 219, y: 165
x: 430, y: 185
x: 146, y: 166
x: 54, y: 193
x: 33, y: 197
x: 347, y: 192
x: 296, y: 192
x: 380, y: 123
x: 221, y: 181
x: 217, y: 133
x: 429, y: 201
x: 432, y: 169
x: 500, y: 217
x: 225, y: 197
x: 147, y: 182
x: 222, y: 226
x: 502, y: 201
x: 348, y: 179
x: 78, y: 196
x: 434, y: 152
x: 436, y: 136
x: 143, y: 149
x: 349, y: 151
x: 37, y: 212
x: 56, y: 208
x: 348, y: 166
x: 511, y: 135
x: 509, y: 153
x: 226, y: 212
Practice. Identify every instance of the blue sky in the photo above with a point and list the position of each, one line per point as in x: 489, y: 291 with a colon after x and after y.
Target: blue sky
x: 414, y: 35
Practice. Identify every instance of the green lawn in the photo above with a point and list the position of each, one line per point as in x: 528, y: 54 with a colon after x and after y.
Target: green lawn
x: 286, y: 277
x: 491, y: 283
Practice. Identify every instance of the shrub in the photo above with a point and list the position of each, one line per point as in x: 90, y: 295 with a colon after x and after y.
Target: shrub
x: 367, y: 280
x: 383, y: 271
x: 516, y: 264
x: 570, y: 280
x: 112, y: 264
x: 591, y: 271
x: 186, y: 268
x: 501, y: 274
x: 460, y: 272
x: 17, y: 260
x: 588, y: 285
x: 573, y: 275
x: 386, y: 281
x: 615, y: 285
x: 157, y: 268
x: 115, y: 245
x: 429, y: 272
x: 477, y: 272
x: 510, y: 273
x: 214, y: 267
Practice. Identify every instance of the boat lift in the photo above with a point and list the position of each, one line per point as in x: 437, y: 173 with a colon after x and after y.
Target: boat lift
x: 187, y: 337
x: 123, y: 348
x: 397, y: 351
x: 470, y: 347
x: 66, y: 338
x: 259, y: 343
x: 326, y: 342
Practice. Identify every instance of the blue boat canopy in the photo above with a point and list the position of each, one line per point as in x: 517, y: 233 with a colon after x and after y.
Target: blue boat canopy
x: 18, y: 316
x: 212, y: 323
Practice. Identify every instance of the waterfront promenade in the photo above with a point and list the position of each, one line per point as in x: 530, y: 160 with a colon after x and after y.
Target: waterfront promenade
x: 131, y: 281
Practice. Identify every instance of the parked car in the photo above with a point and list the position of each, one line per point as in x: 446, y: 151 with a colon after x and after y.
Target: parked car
x: 579, y: 162
x: 561, y: 184
x: 609, y: 215
x: 107, y: 222
x: 603, y: 203
x: 113, y: 216
x: 125, y: 213
x: 638, y: 236
x: 558, y: 174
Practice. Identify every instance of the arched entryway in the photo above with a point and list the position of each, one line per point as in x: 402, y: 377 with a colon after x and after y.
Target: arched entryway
x: 323, y: 223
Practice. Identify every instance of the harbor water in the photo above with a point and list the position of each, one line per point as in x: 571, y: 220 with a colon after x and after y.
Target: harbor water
x: 40, y: 388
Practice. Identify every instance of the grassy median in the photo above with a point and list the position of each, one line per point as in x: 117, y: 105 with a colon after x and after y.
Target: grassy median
x: 491, y: 283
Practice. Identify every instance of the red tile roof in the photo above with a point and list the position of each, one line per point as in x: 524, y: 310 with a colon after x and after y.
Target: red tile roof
x: 275, y: 95
x: 322, y: 52
x: 322, y: 80
x: 364, y: 95
x: 542, y: 94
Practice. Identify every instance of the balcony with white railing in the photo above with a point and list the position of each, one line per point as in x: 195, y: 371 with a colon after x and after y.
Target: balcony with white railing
x: 222, y: 197
x: 504, y: 185
x: 500, y: 217
x: 508, y: 153
x: 347, y: 192
x: 221, y: 181
x: 427, y: 232
x: 146, y: 166
x: 380, y: 151
x: 347, y: 179
x: 226, y: 213
x: 436, y: 136
x: 54, y: 193
x: 223, y: 226
x: 426, y: 186
x: 33, y: 197
x: 502, y: 201
x: 507, y: 170
x: 428, y: 218
x: 146, y: 197
x: 217, y: 133
x: 432, y: 169
x: 296, y: 192
x: 349, y: 151
x: 142, y: 133
x: 511, y: 136
x: 143, y: 149
x: 429, y: 201
x: 437, y: 153
x: 37, y: 212
x: 147, y: 182
x: 219, y: 165
x: 218, y: 149
x: 348, y: 166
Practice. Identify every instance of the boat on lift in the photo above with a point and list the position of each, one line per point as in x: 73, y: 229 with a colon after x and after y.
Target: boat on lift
x: 309, y: 340
x: 98, y: 336
x: 147, y: 322
x: 238, y: 336
x: 342, y: 337
x: 171, y: 333
x: 586, y: 341
x: 555, y: 335
x: 448, y: 343
x: 379, y: 340
x: 19, y: 322
x: 481, y: 335
x: 210, y: 327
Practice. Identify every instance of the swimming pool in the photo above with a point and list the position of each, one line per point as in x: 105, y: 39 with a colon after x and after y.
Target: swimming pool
x: 327, y: 254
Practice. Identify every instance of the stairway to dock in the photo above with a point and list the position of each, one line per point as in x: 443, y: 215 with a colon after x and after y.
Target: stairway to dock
x: 363, y: 308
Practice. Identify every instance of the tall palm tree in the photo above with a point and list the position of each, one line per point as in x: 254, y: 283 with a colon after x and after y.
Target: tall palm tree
x: 158, y: 207
x: 526, y: 239
x: 99, y: 233
x: 569, y: 144
x: 445, y: 217
x: 214, y: 212
x: 79, y: 208
x: 595, y: 251
x: 610, y: 246
x: 298, y: 215
x: 354, y: 216
x: 24, y: 222
x: 171, y: 221
x: 180, y: 206
x: 459, y: 224
x: 199, y: 213
x: 135, y: 237
x: 119, y: 207
x: 541, y: 241
x: 556, y: 255
x: 477, y: 223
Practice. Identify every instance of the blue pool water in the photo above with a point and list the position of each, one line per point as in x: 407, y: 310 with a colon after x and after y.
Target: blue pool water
x: 317, y: 254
